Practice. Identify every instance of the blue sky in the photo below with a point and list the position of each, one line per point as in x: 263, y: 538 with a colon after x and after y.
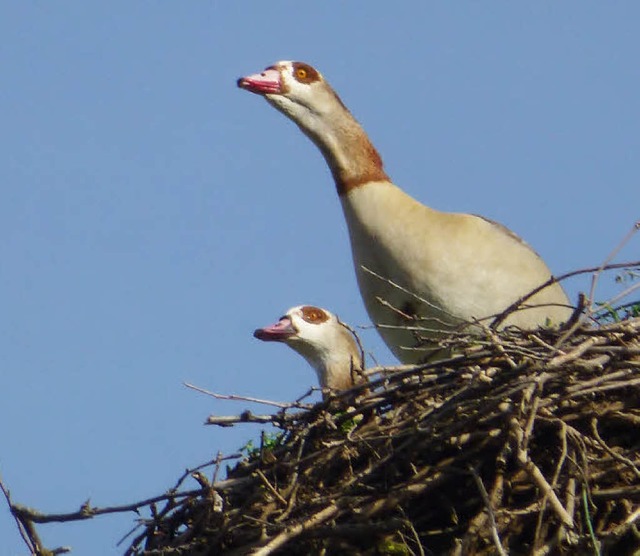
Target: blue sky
x: 152, y: 215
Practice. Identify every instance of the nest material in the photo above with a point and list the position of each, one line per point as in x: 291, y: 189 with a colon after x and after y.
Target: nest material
x: 525, y: 443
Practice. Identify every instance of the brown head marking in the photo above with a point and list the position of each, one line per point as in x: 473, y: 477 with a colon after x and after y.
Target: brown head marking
x: 304, y: 73
x: 314, y: 315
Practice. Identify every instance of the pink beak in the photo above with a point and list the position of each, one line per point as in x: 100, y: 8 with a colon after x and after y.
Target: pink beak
x: 265, y: 83
x: 278, y: 332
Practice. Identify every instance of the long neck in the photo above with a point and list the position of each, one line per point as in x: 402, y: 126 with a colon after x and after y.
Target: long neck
x: 339, y: 373
x: 351, y: 156
x: 334, y: 361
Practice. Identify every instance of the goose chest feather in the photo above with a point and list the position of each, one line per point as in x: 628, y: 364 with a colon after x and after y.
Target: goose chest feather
x: 422, y: 273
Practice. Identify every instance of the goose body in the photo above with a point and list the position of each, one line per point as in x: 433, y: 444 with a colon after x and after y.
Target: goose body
x: 421, y: 272
x: 323, y: 340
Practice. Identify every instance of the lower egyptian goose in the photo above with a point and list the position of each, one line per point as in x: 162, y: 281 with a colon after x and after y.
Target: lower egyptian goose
x: 325, y: 342
x: 422, y: 273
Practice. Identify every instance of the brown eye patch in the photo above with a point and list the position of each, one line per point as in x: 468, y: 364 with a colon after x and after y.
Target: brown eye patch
x: 314, y: 315
x: 304, y: 73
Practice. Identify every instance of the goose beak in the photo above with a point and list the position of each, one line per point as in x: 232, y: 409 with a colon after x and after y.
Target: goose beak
x: 265, y: 83
x: 278, y: 332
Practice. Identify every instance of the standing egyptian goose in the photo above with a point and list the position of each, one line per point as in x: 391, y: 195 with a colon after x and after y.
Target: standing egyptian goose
x: 436, y: 271
x: 325, y: 342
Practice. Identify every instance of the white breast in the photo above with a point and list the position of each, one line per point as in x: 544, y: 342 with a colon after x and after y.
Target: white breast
x: 461, y: 268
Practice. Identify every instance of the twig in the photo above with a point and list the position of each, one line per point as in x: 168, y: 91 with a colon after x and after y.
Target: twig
x: 414, y: 295
x: 385, y: 369
x: 604, y: 379
x: 554, y: 482
x: 609, y: 305
x: 576, y: 352
x: 415, y: 535
x: 293, y: 532
x: 492, y: 518
x: 87, y: 512
x: 537, y: 476
x: 537, y: 390
x: 244, y: 417
x: 270, y: 487
x: 552, y: 280
x: 610, y: 257
x: 633, y: 517
x: 604, y: 388
x: 626, y: 461
x: 281, y: 405
x: 32, y: 544
x: 587, y: 518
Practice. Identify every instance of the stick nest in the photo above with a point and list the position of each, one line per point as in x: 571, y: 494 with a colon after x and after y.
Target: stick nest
x: 524, y: 443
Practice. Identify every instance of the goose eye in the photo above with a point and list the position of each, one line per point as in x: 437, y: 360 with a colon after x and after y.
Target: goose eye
x: 304, y: 73
x: 313, y: 315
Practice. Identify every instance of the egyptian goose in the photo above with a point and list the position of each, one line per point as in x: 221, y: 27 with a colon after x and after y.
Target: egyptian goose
x: 325, y: 342
x: 422, y: 273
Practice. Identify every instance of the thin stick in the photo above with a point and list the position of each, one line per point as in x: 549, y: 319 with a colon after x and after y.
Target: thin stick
x: 626, y: 461
x: 270, y: 487
x: 552, y: 280
x: 536, y: 475
x: 616, y: 250
x: 293, y: 532
x: 23, y: 532
x: 609, y: 304
x: 245, y: 417
x: 281, y: 405
x: 413, y: 294
x: 492, y: 518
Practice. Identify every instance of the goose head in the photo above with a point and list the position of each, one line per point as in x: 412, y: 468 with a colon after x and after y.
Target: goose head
x: 301, y: 93
x: 294, y: 88
x: 323, y: 340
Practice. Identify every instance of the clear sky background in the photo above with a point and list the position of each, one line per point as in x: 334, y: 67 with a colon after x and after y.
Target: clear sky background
x: 152, y: 215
